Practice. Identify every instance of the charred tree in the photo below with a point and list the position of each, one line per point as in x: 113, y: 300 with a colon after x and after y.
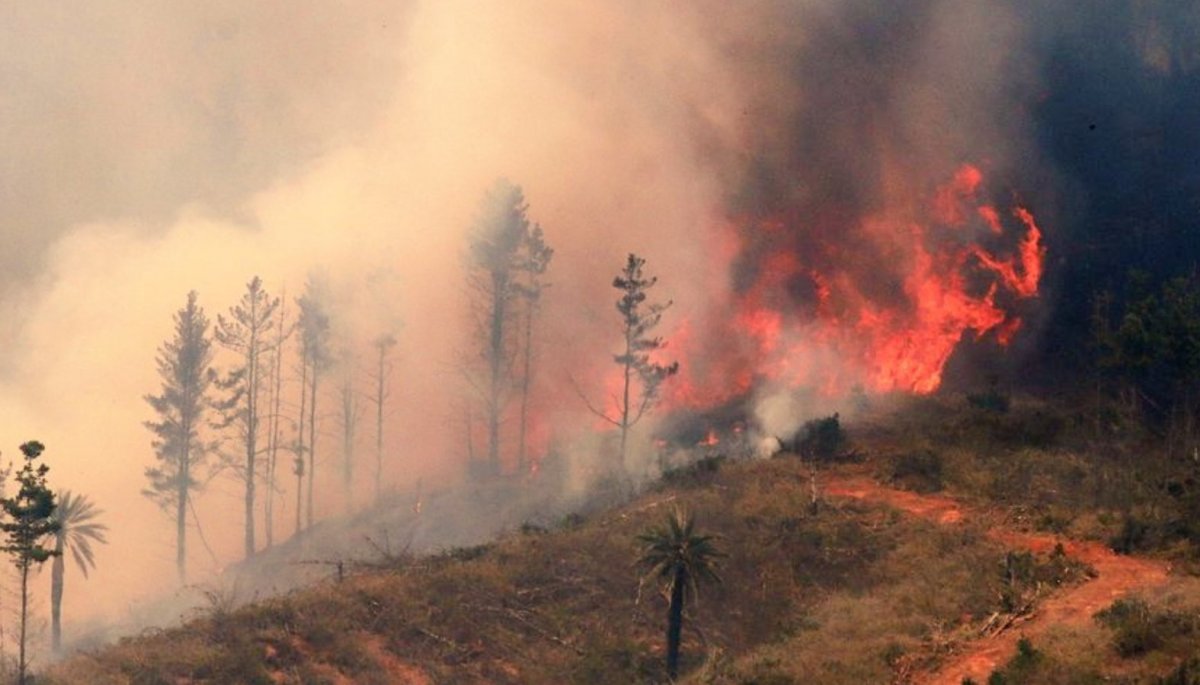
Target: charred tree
x: 247, y: 333
x: 494, y: 263
x: 184, y: 367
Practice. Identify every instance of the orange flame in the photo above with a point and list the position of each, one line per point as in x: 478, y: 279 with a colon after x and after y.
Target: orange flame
x: 890, y: 326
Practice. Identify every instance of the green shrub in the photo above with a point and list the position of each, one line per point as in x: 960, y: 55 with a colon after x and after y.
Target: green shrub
x: 697, y: 474
x: 1137, y: 629
x: 920, y: 470
x: 1188, y: 673
x: 822, y: 439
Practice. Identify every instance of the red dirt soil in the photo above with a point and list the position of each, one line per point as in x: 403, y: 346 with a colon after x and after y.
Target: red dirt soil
x: 1116, y: 576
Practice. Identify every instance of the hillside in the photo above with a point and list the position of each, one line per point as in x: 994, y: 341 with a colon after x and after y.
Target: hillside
x: 950, y: 542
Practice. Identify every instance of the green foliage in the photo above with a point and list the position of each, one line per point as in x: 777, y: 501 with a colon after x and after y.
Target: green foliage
x: 1152, y: 341
x: 674, y: 550
x: 1188, y: 673
x: 696, y: 474
x: 1022, y: 669
x: 638, y: 319
x: 184, y: 369
x: 78, y: 529
x: 919, y: 470
x: 680, y: 557
x: 991, y: 400
x: 1138, y: 629
x: 30, y: 513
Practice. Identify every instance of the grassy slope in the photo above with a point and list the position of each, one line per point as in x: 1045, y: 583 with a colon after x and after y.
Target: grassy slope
x: 855, y: 594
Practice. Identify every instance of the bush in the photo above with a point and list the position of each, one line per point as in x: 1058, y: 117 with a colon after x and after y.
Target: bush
x: 699, y: 473
x: 1022, y: 668
x: 920, y: 471
x: 991, y: 399
x: 1138, y: 630
x: 822, y: 439
x: 1188, y: 673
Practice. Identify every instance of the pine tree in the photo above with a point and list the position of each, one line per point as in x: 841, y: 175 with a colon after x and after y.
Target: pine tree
x: 494, y: 260
x: 315, y: 359
x: 247, y: 333
x: 349, y: 413
x: 184, y: 367
x: 535, y: 259
x: 641, y: 377
x: 283, y: 331
x: 30, y: 522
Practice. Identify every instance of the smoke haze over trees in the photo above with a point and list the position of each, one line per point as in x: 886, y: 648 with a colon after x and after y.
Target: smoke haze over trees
x: 237, y: 139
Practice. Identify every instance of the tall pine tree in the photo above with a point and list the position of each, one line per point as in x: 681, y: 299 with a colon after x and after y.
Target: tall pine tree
x: 499, y: 232
x: 184, y: 365
x: 247, y: 333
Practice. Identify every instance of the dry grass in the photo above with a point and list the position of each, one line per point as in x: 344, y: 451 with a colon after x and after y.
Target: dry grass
x: 853, y: 594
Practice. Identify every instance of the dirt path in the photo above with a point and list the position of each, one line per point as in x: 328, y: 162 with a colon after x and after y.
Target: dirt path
x: 1116, y: 576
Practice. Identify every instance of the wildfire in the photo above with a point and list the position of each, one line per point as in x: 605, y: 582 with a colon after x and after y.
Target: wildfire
x: 878, y: 302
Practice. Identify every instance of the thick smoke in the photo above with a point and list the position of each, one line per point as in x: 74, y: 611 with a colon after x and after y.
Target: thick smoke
x: 151, y: 152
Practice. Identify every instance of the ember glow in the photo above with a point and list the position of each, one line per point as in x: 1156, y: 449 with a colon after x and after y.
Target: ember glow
x: 878, y: 303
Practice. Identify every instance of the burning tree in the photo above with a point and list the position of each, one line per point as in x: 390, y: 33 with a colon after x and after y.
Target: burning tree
x: 638, y: 318
x: 183, y: 365
x: 247, y: 333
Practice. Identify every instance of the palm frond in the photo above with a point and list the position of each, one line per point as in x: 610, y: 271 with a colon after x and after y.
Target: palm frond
x: 78, y: 529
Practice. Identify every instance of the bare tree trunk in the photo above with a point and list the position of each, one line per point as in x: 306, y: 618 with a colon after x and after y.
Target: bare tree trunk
x: 181, y: 512
x: 526, y: 375
x: 251, y: 438
x: 312, y: 442
x: 300, y: 444
x: 628, y: 368
x: 675, y: 623
x: 24, y: 618
x: 379, y: 395
x: 56, y: 594
x: 496, y: 364
x: 349, y: 428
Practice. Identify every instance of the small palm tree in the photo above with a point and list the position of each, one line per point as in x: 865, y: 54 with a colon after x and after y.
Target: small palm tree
x: 676, y: 554
x: 78, y: 529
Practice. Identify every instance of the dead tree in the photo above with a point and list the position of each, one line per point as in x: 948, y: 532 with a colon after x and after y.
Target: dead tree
x: 383, y: 371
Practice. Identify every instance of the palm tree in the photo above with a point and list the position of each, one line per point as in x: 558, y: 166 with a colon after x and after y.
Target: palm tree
x: 676, y: 554
x: 78, y: 529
